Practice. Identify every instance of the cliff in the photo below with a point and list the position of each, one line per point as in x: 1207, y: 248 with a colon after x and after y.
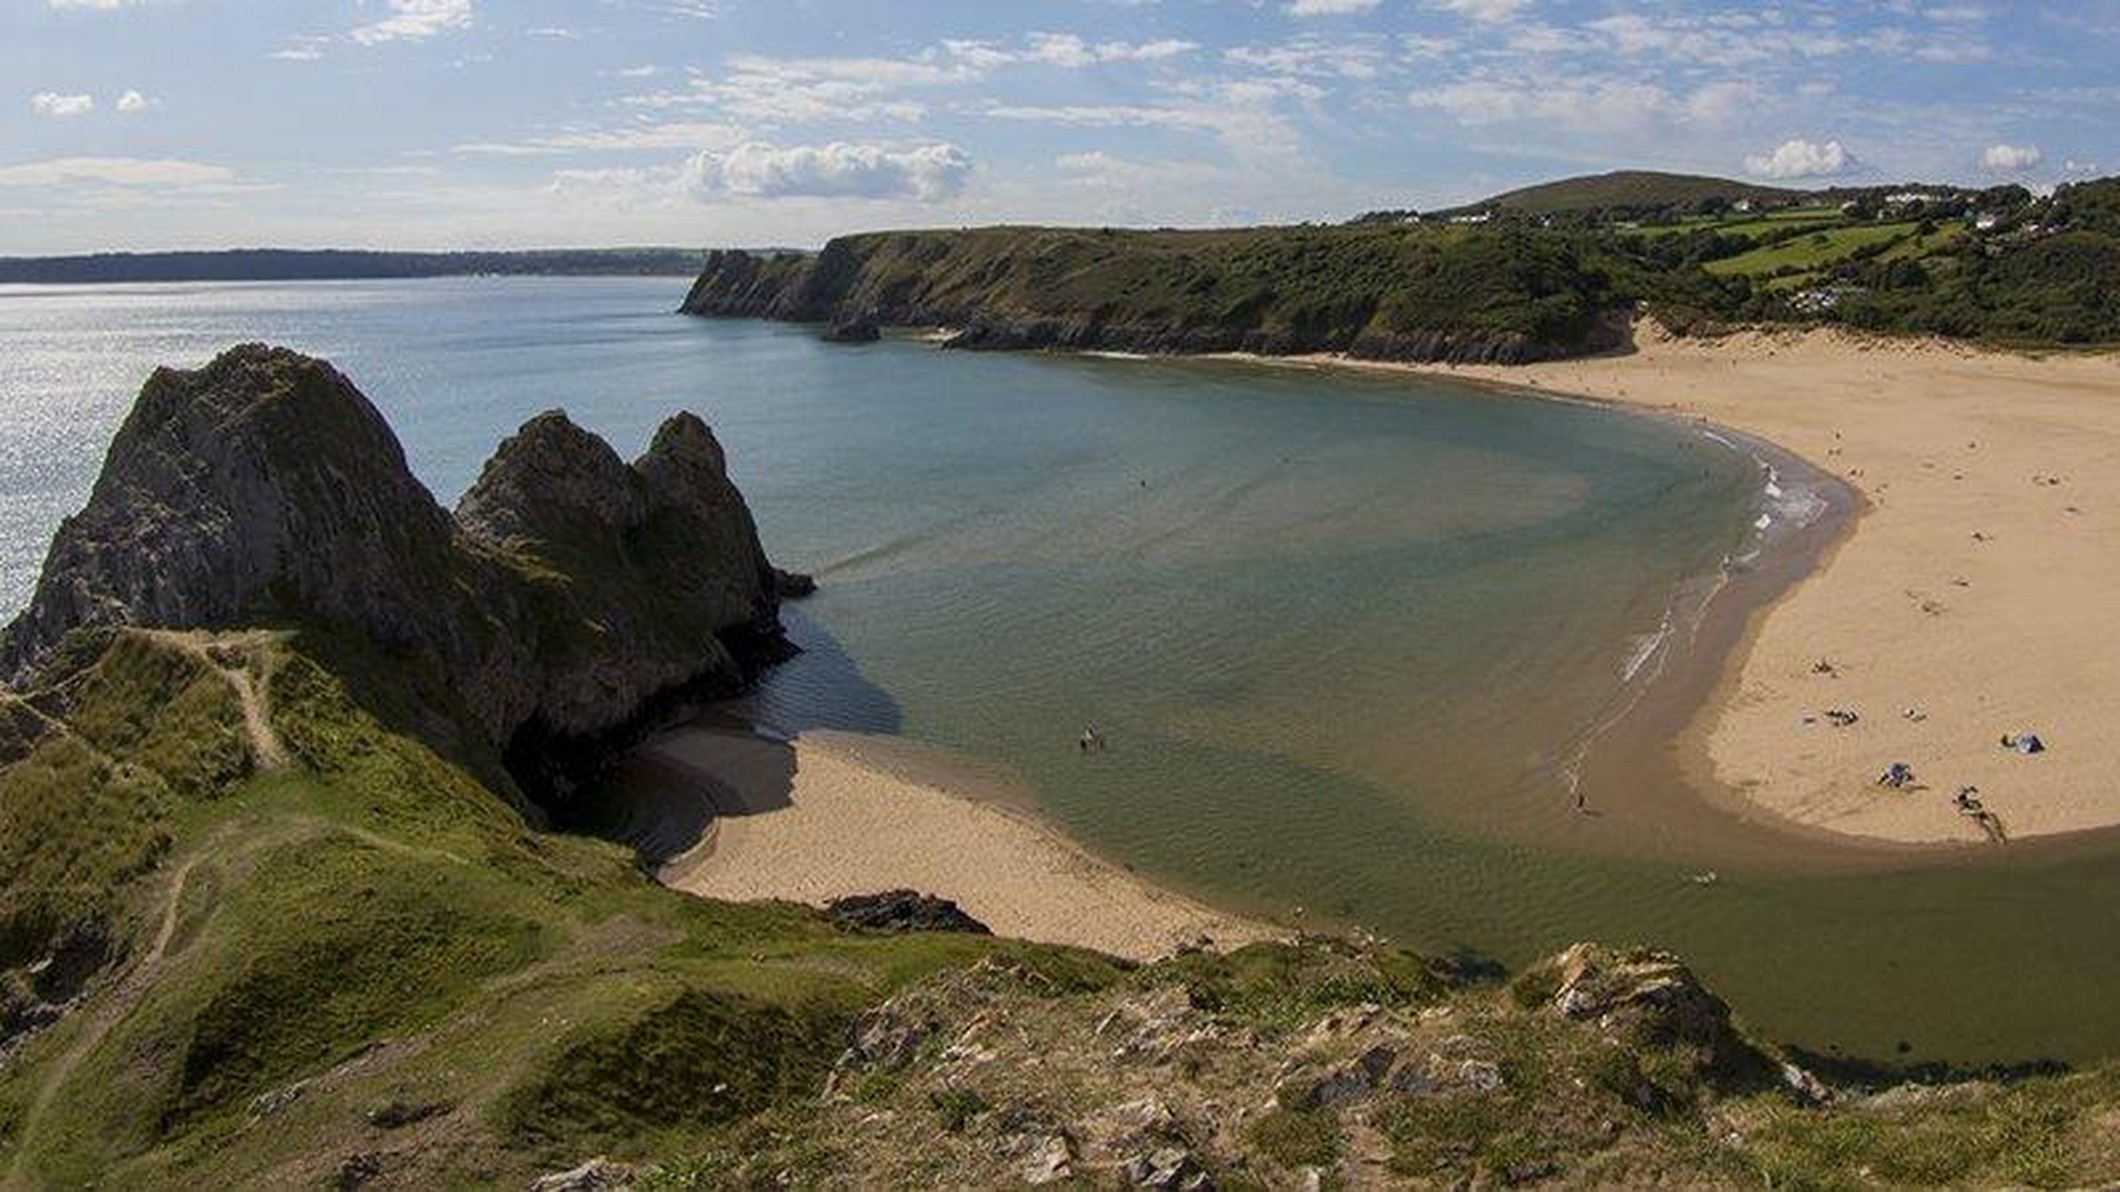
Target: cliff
x: 1387, y: 293
x: 568, y: 593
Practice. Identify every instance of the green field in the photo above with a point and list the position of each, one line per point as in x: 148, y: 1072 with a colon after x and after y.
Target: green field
x: 1812, y: 251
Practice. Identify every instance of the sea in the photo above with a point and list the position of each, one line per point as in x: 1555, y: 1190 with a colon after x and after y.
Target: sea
x: 1369, y: 651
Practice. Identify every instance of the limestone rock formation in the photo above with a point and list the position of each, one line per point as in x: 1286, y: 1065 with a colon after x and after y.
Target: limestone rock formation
x: 569, y: 592
x: 263, y: 477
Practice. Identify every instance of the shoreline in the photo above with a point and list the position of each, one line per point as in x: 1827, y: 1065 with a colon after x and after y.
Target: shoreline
x: 1718, y: 733
x: 828, y: 815
x: 1977, y: 625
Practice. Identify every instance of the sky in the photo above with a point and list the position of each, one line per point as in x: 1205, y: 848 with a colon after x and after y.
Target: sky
x: 147, y: 124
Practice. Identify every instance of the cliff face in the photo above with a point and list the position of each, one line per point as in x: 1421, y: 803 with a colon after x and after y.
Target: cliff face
x: 263, y: 472
x: 569, y: 591
x: 1381, y: 293
x: 630, y: 581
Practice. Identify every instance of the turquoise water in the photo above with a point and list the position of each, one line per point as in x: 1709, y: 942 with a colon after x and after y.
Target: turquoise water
x: 1347, y: 637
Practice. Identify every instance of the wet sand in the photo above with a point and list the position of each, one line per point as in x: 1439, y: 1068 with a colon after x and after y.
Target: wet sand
x: 834, y: 814
x: 1972, y: 598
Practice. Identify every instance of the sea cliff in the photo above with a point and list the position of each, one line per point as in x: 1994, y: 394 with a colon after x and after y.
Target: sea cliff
x: 568, y: 593
x: 1504, y: 296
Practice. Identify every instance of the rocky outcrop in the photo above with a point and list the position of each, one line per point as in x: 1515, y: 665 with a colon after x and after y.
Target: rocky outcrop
x: 639, y: 579
x: 1648, y: 998
x: 793, y: 585
x: 897, y: 911
x: 853, y: 329
x: 264, y: 476
x: 569, y: 592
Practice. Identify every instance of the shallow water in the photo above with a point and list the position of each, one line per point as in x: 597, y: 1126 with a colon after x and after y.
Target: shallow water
x: 1346, y: 636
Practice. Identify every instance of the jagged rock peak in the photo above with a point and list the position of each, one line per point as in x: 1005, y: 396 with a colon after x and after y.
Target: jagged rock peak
x: 685, y: 438
x: 263, y: 478
x: 551, y: 471
x: 571, y: 592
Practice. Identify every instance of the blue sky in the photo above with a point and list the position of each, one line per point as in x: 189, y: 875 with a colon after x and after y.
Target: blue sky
x: 496, y: 123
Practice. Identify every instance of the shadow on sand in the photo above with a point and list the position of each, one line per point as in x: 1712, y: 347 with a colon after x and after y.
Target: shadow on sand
x: 662, y: 806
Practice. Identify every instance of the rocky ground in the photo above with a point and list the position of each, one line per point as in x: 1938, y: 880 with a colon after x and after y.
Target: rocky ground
x: 1324, y: 1064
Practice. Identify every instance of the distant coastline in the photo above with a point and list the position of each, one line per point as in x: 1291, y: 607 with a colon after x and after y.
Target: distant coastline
x: 277, y: 264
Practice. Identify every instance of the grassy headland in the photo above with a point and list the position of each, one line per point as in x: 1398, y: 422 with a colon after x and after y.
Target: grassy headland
x: 1539, y: 274
x: 1503, y: 295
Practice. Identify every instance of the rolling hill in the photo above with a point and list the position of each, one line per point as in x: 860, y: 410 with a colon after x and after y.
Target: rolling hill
x: 1630, y: 190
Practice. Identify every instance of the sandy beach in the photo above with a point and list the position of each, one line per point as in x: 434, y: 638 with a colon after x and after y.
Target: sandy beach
x: 834, y: 814
x: 1973, y: 597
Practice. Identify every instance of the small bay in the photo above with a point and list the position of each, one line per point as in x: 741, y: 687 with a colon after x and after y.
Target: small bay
x: 1348, y: 637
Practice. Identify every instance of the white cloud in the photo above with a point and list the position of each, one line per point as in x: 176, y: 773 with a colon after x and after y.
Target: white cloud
x: 1797, y: 158
x: 2010, y: 159
x: 1242, y: 115
x: 1328, y: 8
x: 417, y: 20
x: 769, y: 91
x: 1486, y: 11
x: 1070, y: 50
x: 1310, y: 54
x: 1577, y: 103
x: 132, y: 103
x: 115, y: 171
x: 626, y: 138
x: 302, y: 49
x: 928, y: 173
x: 1067, y: 50
x: 52, y: 103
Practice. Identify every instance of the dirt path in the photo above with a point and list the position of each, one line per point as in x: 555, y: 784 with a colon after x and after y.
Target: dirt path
x: 126, y: 994
x: 113, y: 1010
x: 234, y: 656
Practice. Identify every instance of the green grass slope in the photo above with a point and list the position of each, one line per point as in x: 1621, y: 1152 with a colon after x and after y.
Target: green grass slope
x: 359, y: 954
